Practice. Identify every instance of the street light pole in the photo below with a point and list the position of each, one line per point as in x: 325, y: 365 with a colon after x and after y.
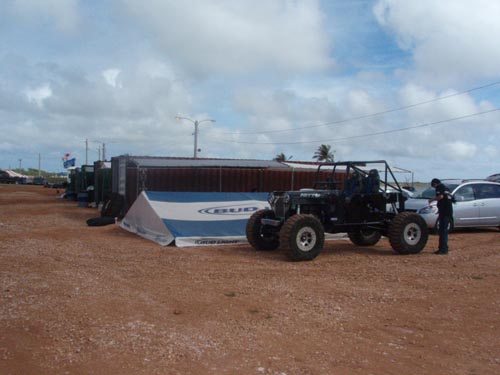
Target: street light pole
x: 195, y: 154
x: 86, y: 151
x: 196, y: 123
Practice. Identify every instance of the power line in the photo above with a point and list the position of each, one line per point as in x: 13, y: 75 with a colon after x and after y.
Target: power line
x: 368, y: 134
x: 370, y: 115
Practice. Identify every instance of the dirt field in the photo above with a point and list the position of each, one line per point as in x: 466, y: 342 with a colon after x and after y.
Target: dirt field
x: 99, y: 300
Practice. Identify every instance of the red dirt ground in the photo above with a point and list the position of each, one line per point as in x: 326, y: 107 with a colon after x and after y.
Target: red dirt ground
x: 98, y: 300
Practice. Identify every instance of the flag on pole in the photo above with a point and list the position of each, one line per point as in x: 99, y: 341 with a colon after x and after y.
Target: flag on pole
x: 69, y: 163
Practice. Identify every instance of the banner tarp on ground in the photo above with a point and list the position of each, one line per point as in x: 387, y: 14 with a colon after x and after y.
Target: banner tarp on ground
x: 193, y: 219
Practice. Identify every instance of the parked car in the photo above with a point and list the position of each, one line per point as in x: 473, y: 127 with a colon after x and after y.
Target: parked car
x: 477, y: 204
x: 394, y: 206
x: 494, y: 177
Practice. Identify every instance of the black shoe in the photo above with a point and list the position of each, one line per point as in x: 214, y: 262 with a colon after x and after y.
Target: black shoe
x: 441, y: 252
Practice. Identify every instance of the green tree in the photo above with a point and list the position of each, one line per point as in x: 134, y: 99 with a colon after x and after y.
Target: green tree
x: 282, y: 157
x: 324, y: 153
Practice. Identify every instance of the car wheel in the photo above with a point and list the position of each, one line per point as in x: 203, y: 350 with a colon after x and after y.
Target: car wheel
x: 450, y: 226
x: 408, y: 233
x: 302, y: 237
x: 256, y: 236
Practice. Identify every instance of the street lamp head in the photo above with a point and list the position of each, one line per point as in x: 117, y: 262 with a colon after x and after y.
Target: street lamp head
x: 178, y: 118
x: 196, y: 123
x: 206, y: 120
x: 193, y: 121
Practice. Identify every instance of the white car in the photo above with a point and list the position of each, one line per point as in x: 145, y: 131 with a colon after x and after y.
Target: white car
x: 477, y: 204
x: 494, y: 177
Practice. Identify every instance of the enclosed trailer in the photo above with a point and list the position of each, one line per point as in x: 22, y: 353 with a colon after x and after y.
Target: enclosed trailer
x: 133, y: 174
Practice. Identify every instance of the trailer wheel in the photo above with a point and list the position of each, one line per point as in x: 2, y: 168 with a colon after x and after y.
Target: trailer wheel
x: 365, y: 237
x: 302, y: 237
x: 256, y: 236
x: 408, y: 233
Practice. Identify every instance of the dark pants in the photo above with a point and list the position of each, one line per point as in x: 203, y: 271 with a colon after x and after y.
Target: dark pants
x: 444, y: 223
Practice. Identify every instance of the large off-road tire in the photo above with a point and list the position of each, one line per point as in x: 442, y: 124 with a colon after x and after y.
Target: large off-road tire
x: 365, y: 237
x: 302, y: 237
x: 258, y: 239
x: 408, y: 233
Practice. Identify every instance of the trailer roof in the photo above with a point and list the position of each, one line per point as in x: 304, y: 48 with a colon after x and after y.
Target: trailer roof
x: 162, y: 162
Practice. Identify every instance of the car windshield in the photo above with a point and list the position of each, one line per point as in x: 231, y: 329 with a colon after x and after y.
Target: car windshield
x: 429, y: 192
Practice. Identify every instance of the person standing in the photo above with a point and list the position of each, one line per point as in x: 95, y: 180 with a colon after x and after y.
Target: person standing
x: 445, y: 213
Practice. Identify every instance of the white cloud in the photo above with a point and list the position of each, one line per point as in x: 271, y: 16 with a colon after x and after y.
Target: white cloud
x: 74, y: 105
x: 156, y: 68
x: 491, y: 151
x: 256, y: 67
x: 360, y: 102
x: 460, y: 150
x: 62, y: 14
x: 111, y: 76
x: 38, y: 95
x: 230, y: 37
x: 452, y: 41
x: 439, y: 106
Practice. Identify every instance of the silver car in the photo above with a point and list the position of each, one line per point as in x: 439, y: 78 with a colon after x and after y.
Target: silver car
x: 477, y: 204
x: 494, y: 177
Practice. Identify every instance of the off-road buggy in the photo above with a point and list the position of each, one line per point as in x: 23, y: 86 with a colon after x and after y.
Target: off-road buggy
x: 362, y: 199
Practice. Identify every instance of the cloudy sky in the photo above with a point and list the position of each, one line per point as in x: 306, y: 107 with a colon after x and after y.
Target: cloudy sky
x: 414, y: 82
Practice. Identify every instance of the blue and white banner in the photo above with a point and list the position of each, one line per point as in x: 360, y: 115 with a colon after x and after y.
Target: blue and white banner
x: 69, y: 163
x: 193, y: 219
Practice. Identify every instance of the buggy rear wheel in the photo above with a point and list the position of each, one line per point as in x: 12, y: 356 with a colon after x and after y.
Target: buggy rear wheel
x: 365, y: 237
x: 257, y: 236
x: 408, y: 233
x: 302, y: 237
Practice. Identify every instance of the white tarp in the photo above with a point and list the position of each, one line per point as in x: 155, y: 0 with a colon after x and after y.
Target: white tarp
x: 14, y: 174
x: 193, y: 219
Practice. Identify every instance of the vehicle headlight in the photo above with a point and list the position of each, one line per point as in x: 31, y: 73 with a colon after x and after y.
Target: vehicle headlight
x: 428, y: 210
x: 270, y: 198
x: 286, y: 198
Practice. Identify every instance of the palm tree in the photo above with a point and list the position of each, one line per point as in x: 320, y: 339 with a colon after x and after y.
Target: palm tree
x: 282, y: 157
x: 324, y: 153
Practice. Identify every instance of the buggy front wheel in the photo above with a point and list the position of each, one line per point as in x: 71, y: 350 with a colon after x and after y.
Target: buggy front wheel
x: 257, y: 235
x: 408, y: 233
x: 302, y: 237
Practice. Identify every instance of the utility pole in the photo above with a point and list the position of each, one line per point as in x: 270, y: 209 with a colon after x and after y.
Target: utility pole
x: 196, y: 123
x: 39, y: 164
x: 86, y: 151
x: 103, y: 148
x: 20, y: 161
